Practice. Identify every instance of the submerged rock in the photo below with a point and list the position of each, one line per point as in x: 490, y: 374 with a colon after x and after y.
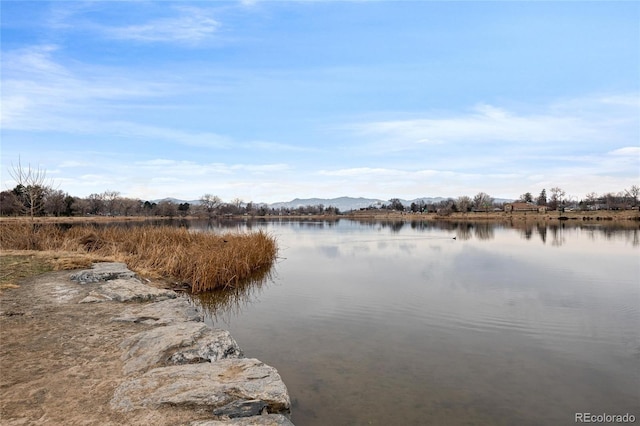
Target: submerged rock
x: 181, y: 343
x: 222, y: 386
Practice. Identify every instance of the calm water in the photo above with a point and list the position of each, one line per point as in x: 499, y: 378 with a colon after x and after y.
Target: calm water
x: 400, y: 324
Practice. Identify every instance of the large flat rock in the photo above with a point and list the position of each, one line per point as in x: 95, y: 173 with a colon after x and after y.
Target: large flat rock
x: 103, y: 272
x: 180, y: 343
x: 162, y: 313
x: 127, y: 290
x: 223, y: 385
x: 266, y: 420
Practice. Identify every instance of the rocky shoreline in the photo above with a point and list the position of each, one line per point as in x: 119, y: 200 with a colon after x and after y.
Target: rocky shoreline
x: 181, y: 361
x: 159, y: 361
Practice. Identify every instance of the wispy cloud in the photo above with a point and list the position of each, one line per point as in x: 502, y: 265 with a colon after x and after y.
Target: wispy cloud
x: 279, y: 147
x: 146, y: 22
x: 41, y: 94
x: 161, y: 177
x: 191, y: 168
x: 191, y: 26
x: 373, y: 174
x: 627, y: 151
x: 584, y: 121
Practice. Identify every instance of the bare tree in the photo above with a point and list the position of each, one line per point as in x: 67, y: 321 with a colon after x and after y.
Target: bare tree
x: 591, y: 200
x: 210, y: 203
x: 54, y: 202
x: 130, y: 206
x: 10, y: 204
x: 610, y: 200
x: 167, y: 208
x: 464, y: 203
x: 557, y: 197
x: 96, y: 204
x: 80, y: 206
x: 32, y: 186
x: 237, y: 202
x: 111, y: 199
x: 633, y: 193
x: 482, y: 201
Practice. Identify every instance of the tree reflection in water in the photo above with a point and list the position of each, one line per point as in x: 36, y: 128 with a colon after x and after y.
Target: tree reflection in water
x: 221, y: 304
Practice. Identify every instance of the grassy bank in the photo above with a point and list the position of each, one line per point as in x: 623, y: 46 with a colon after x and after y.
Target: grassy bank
x: 203, y: 261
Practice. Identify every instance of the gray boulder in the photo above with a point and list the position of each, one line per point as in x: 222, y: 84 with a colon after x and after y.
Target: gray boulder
x: 103, y: 272
x: 180, y: 343
x: 226, y: 383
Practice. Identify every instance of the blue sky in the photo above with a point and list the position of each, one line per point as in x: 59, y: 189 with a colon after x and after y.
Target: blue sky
x: 267, y: 101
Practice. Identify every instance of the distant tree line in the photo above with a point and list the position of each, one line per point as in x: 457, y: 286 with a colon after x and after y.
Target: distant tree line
x: 46, y: 201
x: 556, y: 200
x: 482, y: 202
x: 34, y: 195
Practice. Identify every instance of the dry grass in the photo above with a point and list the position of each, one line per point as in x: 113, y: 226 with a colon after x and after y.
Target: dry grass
x: 202, y: 260
x: 13, y: 267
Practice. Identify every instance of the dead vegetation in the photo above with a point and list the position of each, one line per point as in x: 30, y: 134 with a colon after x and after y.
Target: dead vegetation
x: 13, y: 268
x: 204, y: 261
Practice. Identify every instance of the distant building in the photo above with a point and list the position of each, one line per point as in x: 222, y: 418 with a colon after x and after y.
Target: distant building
x: 523, y: 207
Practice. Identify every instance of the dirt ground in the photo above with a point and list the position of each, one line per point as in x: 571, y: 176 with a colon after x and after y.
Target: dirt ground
x: 60, y: 361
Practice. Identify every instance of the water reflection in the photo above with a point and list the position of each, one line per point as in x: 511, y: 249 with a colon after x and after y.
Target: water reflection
x: 398, y: 323
x: 221, y: 304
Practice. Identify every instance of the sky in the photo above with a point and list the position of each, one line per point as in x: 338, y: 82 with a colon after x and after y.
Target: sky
x: 268, y: 101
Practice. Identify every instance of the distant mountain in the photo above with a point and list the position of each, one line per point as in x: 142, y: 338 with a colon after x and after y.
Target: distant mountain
x: 176, y: 201
x: 342, y: 203
x: 426, y: 200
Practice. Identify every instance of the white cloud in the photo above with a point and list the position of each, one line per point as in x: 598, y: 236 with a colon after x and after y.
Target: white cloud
x: 38, y: 93
x: 157, y: 162
x: 279, y: 147
x: 390, y: 174
x: 73, y: 164
x: 559, y: 124
x: 191, y: 26
x: 631, y: 151
x: 360, y: 172
x: 192, y: 168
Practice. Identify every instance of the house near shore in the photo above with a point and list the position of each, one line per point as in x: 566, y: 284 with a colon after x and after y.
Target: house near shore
x: 523, y: 207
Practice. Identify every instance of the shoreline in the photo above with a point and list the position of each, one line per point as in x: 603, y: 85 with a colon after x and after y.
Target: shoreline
x: 500, y: 216
x: 104, y: 347
x: 586, y: 216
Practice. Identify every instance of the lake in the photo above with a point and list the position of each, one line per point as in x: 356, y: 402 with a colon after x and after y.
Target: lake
x: 398, y: 323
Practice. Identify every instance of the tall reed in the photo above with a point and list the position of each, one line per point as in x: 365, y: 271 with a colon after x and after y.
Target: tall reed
x: 203, y: 260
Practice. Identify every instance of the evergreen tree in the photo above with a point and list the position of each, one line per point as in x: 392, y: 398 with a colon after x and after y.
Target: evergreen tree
x: 542, y: 198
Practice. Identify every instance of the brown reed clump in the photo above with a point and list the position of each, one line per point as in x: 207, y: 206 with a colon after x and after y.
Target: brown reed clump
x: 205, y: 261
